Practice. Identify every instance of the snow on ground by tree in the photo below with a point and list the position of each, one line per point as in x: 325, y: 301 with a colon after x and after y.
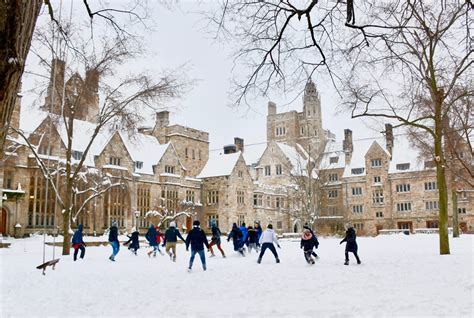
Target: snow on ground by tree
x: 399, y: 276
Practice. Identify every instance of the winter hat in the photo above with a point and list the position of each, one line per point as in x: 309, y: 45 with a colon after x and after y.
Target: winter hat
x: 270, y: 226
x: 172, y: 224
x: 196, y: 223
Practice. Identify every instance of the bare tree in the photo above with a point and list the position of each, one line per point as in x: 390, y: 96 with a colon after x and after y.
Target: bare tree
x: 161, y: 214
x: 418, y: 70
x: 122, y: 102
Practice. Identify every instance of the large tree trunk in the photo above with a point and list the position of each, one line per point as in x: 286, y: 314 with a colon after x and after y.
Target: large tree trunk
x: 17, y: 23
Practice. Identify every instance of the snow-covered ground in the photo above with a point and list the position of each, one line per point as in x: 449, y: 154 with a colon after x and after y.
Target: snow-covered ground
x: 399, y: 276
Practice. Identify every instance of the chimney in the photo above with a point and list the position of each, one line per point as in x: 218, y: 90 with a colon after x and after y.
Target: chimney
x: 272, y: 108
x: 92, y: 94
x: 57, y: 79
x: 230, y: 149
x: 347, y: 145
x: 239, y: 144
x: 162, y: 119
x: 389, y: 138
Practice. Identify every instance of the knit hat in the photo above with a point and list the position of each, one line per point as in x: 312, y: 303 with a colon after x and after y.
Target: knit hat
x: 196, y: 223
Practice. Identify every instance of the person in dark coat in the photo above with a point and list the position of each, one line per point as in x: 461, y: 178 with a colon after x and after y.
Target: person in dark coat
x: 236, y: 236
x: 307, y: 244
x: 78, y: 242
x: 171, y: 238
x: 259, y: 230
x: 151, y: 236
x: 252, y: 239
x: 351, y: 244
x: 215, y: 239
x: 113, y: 240
x: 315, y: 239
x: 197, y: 239
x: 133, y: 243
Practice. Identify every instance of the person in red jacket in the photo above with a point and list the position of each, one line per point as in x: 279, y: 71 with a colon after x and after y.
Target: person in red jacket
x: 159, y: 236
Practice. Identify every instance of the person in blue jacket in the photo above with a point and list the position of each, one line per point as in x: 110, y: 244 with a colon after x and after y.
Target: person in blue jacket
x: 259, y: 230
x: 113, y: 240
x: 78, y: 242
x: 351, y: 244
x: 150, y: 236
x: 244, y: 230
x: 133, y: 243
x: 197, y: 239
x: 236, y: 236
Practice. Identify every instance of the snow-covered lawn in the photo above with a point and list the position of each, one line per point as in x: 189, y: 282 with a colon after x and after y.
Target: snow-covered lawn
x: 399, y: 276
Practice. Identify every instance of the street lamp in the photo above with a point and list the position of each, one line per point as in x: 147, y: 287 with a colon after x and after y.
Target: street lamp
x: 137, y: 214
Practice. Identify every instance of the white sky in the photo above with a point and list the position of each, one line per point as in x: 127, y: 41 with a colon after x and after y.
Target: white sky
x: 180, y: 38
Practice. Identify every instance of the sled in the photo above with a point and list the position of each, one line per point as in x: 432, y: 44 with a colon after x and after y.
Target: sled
x: 48, y: 263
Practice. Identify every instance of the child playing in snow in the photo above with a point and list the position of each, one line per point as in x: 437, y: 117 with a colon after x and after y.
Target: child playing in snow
x: 237, y: 238
x: 78, y: 242
x: 215, y: 239
x: 252, y: 239
x: 351, y: 244
x: 315, y: 239
x: 134, y: 245
x: 266, y: 240
x: 307, y: 244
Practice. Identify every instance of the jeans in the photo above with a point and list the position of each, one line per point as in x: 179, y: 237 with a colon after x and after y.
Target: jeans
x: 218, y: 247
x: 269, y: 246
x: 76, y: 250
x: 201, y: 255
x: 115, y: 248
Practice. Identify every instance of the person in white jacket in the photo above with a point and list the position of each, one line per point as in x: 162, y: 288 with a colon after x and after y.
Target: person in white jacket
x: 267, y: 239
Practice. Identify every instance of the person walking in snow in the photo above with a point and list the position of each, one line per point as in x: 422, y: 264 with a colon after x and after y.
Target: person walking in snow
x: 243, y: 228
x: 252, y: 239
x: 151, y: 238
x: 351, y: 244
x: 266, y: 240
x: 215, y: 239
x: 78, y: 242
x: 236, y: 236
x: 307, y: 244
x: 197, y: 239
x: 171, y: 238
x: 259, y: 230
x: 159, y: 236
x: 315, y: 239
x: 113, y: 240
x: 133, y: 243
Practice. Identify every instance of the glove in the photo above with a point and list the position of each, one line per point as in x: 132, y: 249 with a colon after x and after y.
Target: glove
x: 279, y: 246
x: 341, y: 242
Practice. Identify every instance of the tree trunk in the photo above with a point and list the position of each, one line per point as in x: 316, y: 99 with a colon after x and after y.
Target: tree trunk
x: 66, y: 218
x: 454, y: 198
x: 17, y: 23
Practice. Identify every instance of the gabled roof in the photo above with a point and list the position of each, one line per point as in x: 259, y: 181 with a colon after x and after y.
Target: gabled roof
x: 361, y: 147
x: 404, y: 153
x: 146, y: 149
x: 332, y: 150
x: 297, y: 157
x: 252, y: 153
x: 220, y: 165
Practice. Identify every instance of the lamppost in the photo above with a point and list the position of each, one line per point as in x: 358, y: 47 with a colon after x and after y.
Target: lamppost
x: 137, y: 214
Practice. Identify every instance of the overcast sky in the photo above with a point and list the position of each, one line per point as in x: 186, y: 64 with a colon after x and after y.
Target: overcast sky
x: 181, y: 38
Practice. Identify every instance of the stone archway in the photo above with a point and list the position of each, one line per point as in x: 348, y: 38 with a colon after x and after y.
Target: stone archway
x: 3, y: 221
x: 296, y: 226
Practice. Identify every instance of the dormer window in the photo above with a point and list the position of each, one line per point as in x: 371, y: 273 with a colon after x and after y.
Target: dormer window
x: 403, y: 166
x: 115, y: 161
x: 430, y: 164
x: 333, y: 160
x: 76, y: 155
x: 376, y: 163
x: 357, y: 171
x: 138, y: 164
x: 169, y: 169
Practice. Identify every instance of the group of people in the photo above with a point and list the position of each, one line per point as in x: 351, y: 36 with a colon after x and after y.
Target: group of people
x: 244, y: 239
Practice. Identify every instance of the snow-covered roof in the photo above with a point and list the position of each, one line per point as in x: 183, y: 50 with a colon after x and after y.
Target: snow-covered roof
x: 404, y: 153
x: 333, y: 156
x: 144, y: 148
x: 30, y: 120
x: 253, y: 153
x: 361, y: 147
x: 219, y: 165
x: 298, y: 158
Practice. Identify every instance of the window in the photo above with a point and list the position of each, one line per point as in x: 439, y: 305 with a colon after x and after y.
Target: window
x: 143, y: 205
x: 212, y: 218
x: 212, y: 197
x: 240, y: 219
x: 114, y: 161
x: 332, y: 210
x: 376, y: 163
x: 333, y: 177
x: 357, y: 209
x: 432, y: 224
x: 8, y: 180
x: 194, y: 154
x: 357, y: 171
x: 267, y: 170
x: 377, y: 179
x: 359, y: 226
x: 462, y: 210
x: 240, y: 197
x: 269, y: 202
x: 430, y: 164
x: 431, y: 186
x: 356, y: 191
x: 431, y: 205
x: 333, y: 160
x: 189, y: 196
x: 171, y: 198
x: 404, y: 207
x: 45, y: 150
x: 377, y: 196
x: 280, y: 131
x: 241, y: 174
x: 278, y: 202
x: 302, y: 131
x: 332, y: 194
x: 403, y: 187
x: 40, y: 208
x: 379, y: 214
x: 115, y: 206
x: 403, y: 166
x: 186, y: 152
x: 199, y: 154
x: 76, y: 155
x: 258, y: 199
x: 138, y: 164
x: 279, y: 225
x: 462, y: 196
x: 278, y: 170
x: 169, y: 169
x: 461, y: 155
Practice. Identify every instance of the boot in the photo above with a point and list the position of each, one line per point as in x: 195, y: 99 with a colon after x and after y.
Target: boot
x: 277, y: 260
x: 259, y: 260
x: 204, y: 267
x: 346, y: 262
x: 359, y: 262
x: 149, y: 254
